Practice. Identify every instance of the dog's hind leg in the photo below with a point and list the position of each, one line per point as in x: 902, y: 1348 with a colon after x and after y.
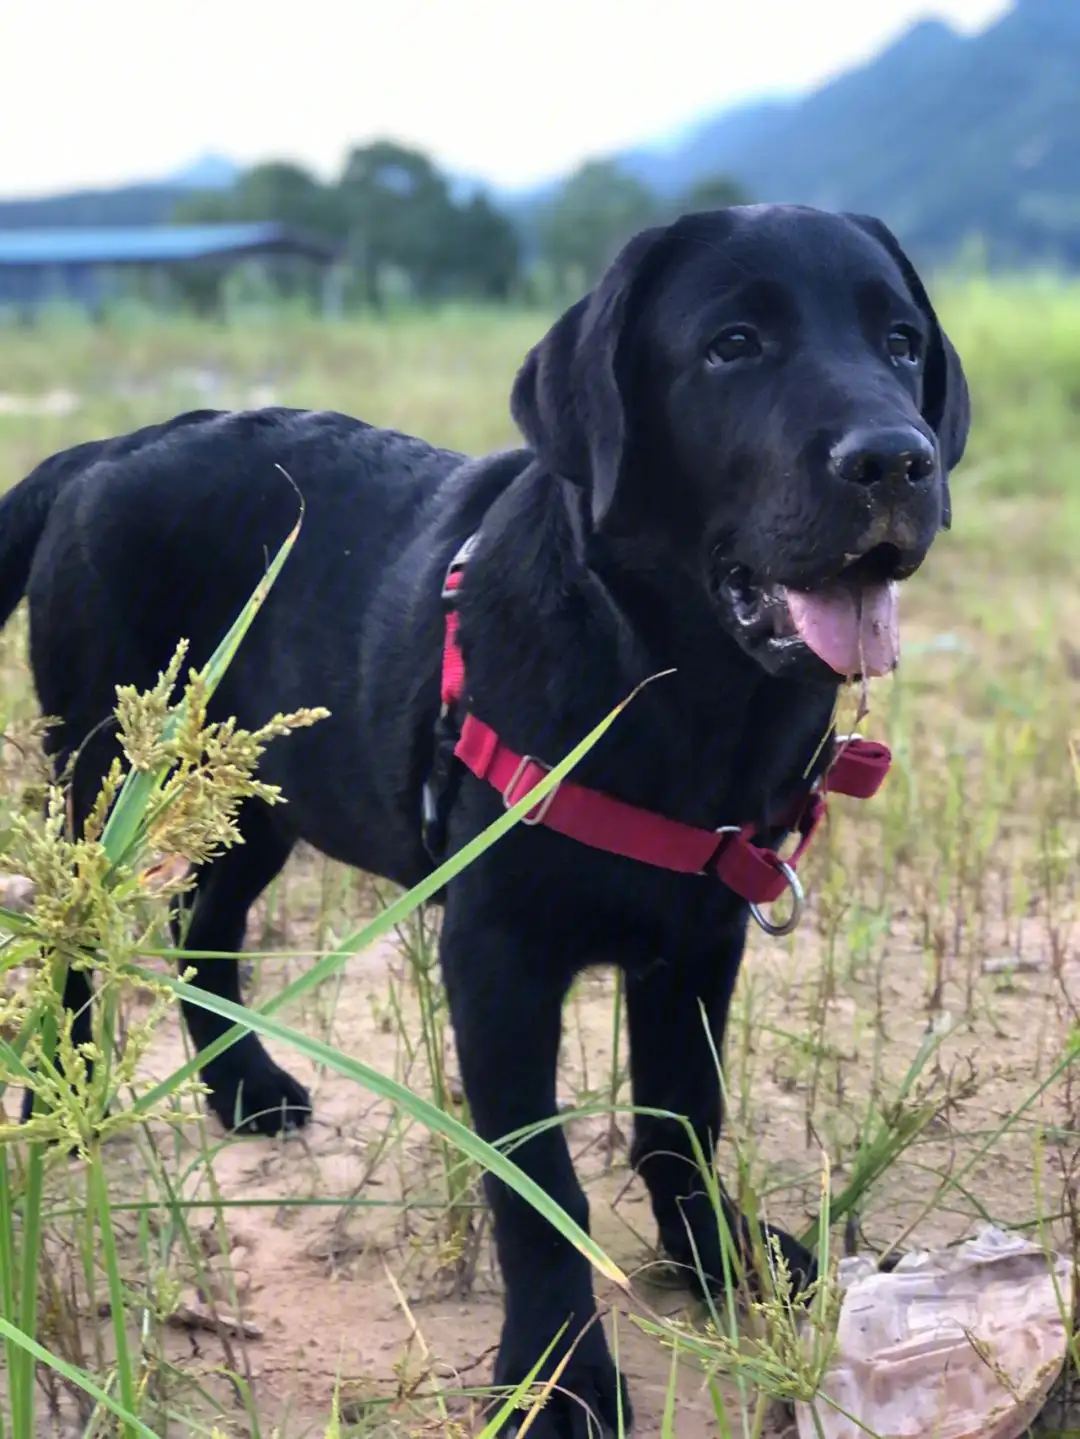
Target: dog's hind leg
x: 677, y: 1013
x: 248, y: 1091
x: 78, y: 994
x: 91, y: 762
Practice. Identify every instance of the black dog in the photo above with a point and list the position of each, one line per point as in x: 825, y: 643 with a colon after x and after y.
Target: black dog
x: 735, y: 445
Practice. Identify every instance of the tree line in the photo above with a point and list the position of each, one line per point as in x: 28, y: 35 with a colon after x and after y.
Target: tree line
x: 403, y: 226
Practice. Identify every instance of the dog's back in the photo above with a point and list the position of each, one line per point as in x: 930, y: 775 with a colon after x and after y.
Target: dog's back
x: 124, y: 546
x: 25, y: 509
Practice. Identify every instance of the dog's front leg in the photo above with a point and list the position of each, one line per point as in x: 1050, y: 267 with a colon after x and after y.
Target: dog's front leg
x: 677, y: 1011
x: 506, y: 987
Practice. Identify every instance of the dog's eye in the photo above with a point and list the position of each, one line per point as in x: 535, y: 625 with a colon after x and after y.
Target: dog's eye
x: 737, y: 343
x: 904, y: 345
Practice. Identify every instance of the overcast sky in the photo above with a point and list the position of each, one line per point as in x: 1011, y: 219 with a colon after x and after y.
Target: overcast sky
x: 94, y: 92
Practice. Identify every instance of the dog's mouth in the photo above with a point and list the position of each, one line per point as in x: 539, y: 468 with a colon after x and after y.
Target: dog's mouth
x: 849, y: 621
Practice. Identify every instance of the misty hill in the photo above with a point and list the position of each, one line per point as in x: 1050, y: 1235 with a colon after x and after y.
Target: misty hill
x: 944, y: 136
x: 150, y: 202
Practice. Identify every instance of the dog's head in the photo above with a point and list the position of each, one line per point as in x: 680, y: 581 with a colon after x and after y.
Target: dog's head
x: 766, y: 392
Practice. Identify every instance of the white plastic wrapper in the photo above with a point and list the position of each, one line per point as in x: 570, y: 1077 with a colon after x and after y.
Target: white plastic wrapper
x: 963, y: 1343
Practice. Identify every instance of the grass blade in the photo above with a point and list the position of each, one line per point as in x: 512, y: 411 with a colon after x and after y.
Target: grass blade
x: 37, y: 1352
x: 418, y: 1108
x: 394, y: 914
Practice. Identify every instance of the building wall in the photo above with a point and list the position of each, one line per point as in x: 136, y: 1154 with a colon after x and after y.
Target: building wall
x: 91, y: 284
x: 30, y: 285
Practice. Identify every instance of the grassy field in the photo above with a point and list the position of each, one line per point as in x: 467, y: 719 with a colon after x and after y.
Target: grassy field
x: 920, y: 1033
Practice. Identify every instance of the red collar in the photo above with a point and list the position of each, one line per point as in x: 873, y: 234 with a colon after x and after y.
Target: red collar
x: 731, y: 853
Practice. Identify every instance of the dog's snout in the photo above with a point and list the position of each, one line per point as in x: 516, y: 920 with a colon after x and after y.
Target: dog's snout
x: 870, y: 457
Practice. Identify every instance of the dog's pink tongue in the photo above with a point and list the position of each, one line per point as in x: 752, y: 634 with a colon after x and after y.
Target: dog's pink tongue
x: 855, y: 631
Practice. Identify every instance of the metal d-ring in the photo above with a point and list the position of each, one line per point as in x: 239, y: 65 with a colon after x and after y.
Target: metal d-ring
x: 798, y: 904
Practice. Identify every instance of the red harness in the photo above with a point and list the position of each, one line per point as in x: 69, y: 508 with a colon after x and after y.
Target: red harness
x: 732, y: 854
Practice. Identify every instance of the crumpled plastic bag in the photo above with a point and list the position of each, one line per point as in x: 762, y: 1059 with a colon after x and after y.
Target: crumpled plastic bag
x: 962, y: 1343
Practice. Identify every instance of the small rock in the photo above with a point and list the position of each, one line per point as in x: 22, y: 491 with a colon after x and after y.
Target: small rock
x: 242, y: 1279
x: 16, y: 892
x: 1009, y: 964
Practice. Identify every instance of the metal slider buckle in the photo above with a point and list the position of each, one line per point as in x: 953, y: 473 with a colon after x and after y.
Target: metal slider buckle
x: 841, y: 741
x: 708, y: 869
x: 544, y: 805
x: 456, y: 565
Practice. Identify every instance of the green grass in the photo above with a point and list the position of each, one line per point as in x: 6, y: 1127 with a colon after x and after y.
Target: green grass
x: 915, y: 1041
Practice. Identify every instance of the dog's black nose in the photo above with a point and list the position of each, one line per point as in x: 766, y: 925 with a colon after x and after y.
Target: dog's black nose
x: 867, y: 457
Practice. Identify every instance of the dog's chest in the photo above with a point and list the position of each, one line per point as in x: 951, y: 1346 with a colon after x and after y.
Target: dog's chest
x: 705, y: 776
x: 718, y: 758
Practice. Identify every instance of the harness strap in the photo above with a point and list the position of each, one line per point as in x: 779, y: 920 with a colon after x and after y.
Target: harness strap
x: 603, y: 822
x: 752, y: 870
x: 453, y: 666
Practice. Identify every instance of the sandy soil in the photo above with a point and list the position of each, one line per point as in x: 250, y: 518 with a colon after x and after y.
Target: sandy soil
x: 375, y: 1299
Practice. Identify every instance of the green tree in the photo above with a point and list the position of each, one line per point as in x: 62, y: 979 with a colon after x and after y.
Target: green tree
x: 712, y: 192
x: 292, y: 196
x: 596, y: 211
x: 278, y: 191
x: 398, y: 212
x: 392, y: 210
x: 484, y: 253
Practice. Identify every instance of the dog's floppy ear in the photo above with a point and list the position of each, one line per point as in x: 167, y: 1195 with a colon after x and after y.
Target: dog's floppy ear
x: 568, y: 399
x: 946, y: 403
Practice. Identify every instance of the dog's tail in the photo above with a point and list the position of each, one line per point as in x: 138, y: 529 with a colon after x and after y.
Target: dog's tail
x: 24, y: 511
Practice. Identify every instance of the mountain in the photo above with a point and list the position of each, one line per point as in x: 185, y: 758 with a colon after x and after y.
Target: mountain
x: 946, y: 137
x: 209, y: 172
x: 713, y: 147
x: 149, y: 202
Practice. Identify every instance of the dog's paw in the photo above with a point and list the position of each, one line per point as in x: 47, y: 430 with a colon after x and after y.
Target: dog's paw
x: 27, y: 1110
x: 702, y: 1263
x: 265, y: 1099
x: 589, y: 1401
x: 30, y: 1105
x: 801, y: 1265
x: 887, y: 1262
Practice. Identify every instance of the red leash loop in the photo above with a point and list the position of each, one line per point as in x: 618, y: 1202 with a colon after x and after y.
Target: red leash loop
x: 859, y: 768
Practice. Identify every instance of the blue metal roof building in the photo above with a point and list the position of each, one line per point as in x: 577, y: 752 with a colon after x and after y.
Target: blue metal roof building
x: 79, y: 265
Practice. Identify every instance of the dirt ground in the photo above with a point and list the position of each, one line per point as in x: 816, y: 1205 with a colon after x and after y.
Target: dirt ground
x: 350, y: 1298
x: 372, y: 1299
